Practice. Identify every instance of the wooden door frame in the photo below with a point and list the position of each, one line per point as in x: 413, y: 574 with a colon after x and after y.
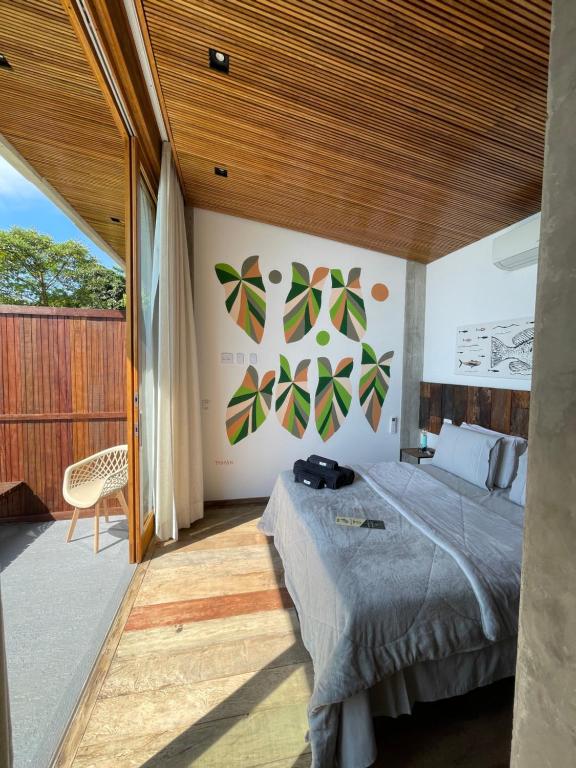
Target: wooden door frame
x: 134, y: 117
x: 140, y: 532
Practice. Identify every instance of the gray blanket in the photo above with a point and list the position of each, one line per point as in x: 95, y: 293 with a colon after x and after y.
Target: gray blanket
x: 435, y: 582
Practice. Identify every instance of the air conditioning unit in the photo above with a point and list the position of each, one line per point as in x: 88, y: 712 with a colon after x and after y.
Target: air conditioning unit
x: 518, y: 247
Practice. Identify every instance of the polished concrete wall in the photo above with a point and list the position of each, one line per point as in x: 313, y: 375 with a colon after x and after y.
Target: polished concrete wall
x: 414, y: 318
x: 545, y: 709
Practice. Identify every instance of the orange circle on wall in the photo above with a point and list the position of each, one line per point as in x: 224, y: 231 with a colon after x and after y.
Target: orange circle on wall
x: 380, y: 292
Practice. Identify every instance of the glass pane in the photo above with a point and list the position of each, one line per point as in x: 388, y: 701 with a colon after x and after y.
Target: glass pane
x: 147, y: 351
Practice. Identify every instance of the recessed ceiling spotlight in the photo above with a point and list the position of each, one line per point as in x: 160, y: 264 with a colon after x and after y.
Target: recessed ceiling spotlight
x: 220, y: 171
x: 219, y: 60
x: 4, y: 63
x: 114, y: 219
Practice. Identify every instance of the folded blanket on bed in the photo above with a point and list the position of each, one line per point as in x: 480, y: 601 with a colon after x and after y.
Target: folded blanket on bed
x: 331, y: 477
x: 372, y: 601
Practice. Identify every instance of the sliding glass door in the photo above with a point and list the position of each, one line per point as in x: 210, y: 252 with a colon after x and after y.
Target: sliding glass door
x: 141, y: 285
x: 147, y: 352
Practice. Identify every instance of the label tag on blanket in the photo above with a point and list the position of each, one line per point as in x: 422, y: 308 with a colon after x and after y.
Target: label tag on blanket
x: 359, y: 522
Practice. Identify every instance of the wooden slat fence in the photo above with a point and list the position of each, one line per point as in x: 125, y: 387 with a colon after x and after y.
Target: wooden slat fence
x: 62, y: 393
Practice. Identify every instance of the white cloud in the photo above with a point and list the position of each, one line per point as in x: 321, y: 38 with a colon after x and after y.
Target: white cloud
x: 14, y: 188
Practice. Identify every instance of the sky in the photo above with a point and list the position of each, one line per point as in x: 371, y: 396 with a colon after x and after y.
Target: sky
x: 22, y: 204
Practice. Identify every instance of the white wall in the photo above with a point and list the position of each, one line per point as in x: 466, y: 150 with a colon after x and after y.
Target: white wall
x: 250, y: 467
x: 465, y: 287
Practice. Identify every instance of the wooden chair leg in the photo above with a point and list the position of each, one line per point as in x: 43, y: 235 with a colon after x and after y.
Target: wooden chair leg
x: 96, y: 526
x: 72, y: 524
x: 122, y: 500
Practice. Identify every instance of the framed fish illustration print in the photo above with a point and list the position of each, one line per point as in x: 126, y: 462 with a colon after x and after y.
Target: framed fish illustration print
x: 500, y: 349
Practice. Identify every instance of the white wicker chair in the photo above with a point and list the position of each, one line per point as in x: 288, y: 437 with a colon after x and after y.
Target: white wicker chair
x: 89, y: 481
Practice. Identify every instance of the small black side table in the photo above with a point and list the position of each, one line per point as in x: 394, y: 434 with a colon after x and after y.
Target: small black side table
x: 415, y: 453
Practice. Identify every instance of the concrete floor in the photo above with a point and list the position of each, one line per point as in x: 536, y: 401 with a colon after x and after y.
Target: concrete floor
x: 59, y: 600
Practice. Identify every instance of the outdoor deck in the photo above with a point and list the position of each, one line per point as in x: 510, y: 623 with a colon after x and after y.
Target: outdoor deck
x: 58, y: 602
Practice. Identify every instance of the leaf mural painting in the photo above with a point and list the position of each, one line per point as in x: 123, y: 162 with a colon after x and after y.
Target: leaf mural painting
x: 303, y: 302
x: 250, y: 404
x: 293, y: 397
x: 374, y: 383
x: 333, y: 396
x: 245, y: 296
x: 347, y: 305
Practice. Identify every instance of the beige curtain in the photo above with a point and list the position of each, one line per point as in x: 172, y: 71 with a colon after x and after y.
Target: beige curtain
x: 5, y: 731
x: 179, y: 485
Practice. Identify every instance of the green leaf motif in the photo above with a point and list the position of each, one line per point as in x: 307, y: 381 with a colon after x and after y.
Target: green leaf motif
x: 249, y: 405
x: 303, y: 302
x: 245, y: 296
x: 293, y: 397
x: 347, y: 305
x: 374, y: 383
x: 333, y: 396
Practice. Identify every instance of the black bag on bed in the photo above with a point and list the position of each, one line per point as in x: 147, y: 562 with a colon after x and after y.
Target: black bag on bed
x: 307, y: 478
x: 330, y: 478
x: 322, y: 462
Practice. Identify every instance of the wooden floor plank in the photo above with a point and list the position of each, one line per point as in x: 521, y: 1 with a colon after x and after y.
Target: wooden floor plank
x: 179, y: 639
x: 204, y: 662
x: 225, y: 561
x: 235, y: 537
x: 214, y: 607
x: 177, y: 707
x: 261, y: 738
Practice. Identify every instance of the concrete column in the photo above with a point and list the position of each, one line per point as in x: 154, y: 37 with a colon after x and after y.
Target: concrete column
x: 414, y: 316
x: 545, y: 708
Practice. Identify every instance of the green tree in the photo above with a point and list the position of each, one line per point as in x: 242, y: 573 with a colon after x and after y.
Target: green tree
x: 35, y: 270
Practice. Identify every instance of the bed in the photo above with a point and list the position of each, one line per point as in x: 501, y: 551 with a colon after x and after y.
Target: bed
x: 424, y: 609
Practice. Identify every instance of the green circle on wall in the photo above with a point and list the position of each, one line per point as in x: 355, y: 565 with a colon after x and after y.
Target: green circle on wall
x: 275, y: 276
x: 322, y: 337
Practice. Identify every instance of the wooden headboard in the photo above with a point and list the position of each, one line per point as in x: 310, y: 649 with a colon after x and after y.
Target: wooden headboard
x: 504, y: 410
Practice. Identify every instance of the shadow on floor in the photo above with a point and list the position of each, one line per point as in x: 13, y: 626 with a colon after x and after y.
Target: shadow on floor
x: 16, y: 538
x: 470, y: 731
x: 187, y: 748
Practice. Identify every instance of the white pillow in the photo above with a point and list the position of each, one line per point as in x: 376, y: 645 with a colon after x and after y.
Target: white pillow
x: 470, y: 455
x: 518, y: 489
x: 510, y: 449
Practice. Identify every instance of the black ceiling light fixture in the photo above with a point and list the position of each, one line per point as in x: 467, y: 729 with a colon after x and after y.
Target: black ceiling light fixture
x: 4, y: 63
x: 219, y: 170
x: 219, y: 60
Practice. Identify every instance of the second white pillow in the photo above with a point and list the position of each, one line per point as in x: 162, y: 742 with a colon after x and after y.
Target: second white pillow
x: 510, y: 449
x: 471, y: 455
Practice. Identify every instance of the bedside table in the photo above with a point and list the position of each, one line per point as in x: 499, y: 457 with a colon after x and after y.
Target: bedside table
x: 415, y: 453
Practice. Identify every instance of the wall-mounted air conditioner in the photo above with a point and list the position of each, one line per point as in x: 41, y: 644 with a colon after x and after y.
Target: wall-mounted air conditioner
x: 518, y: 247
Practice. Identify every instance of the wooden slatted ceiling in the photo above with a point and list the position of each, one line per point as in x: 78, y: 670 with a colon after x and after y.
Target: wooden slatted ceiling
x: 53, y: 112
x: 409, y: 126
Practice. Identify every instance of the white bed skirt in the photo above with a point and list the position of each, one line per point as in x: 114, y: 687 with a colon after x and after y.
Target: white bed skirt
x: 425, y: 681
